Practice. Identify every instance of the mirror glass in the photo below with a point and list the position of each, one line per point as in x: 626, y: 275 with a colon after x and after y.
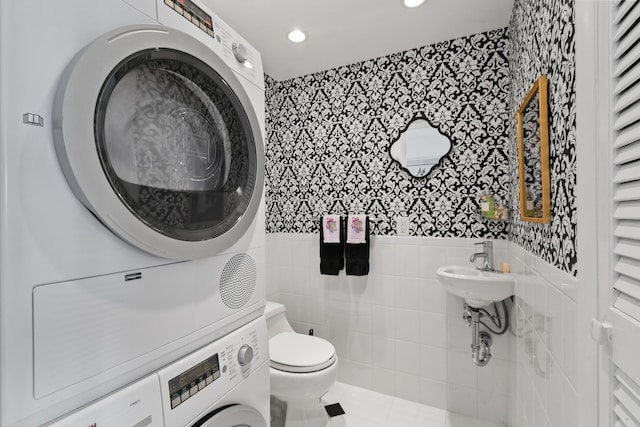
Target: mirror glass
x: 533, y: 154
x: 419, y: 147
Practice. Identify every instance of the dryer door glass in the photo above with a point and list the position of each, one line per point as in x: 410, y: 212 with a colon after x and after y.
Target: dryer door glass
x: 175, y: 144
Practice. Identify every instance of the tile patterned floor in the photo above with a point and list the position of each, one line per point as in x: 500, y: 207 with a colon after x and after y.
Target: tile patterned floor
x: 366, y: 408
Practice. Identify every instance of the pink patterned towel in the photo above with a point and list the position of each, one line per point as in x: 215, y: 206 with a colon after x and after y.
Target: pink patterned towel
x: 357, y: 229
x: 331, y: 225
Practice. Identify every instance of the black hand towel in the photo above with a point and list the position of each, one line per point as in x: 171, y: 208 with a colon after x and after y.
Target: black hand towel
x: 357, y: 255
x: 331, y: 254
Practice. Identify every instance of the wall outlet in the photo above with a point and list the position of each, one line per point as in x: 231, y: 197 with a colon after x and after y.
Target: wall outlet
x: 402, y: 226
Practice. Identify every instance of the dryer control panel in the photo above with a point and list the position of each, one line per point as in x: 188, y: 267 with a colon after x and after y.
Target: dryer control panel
x: 192, y: 13
x: 195, y: 19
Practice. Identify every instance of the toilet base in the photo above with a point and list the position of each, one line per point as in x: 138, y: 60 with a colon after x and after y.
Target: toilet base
x: 306, y: 413
x: 302, y: 393
x: 278, y: 410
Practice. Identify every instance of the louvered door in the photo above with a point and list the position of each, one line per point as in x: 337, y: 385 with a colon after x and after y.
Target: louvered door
x: 624, y: 309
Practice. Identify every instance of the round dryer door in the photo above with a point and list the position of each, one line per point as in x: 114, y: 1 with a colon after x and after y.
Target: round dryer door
x: 233, y: 416
x: 158, y: 138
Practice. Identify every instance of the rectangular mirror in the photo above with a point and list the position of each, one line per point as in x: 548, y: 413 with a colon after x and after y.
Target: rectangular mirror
x: 533, y: 154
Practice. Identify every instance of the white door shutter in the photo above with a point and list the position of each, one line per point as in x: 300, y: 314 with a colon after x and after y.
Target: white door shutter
x: 624, y: 310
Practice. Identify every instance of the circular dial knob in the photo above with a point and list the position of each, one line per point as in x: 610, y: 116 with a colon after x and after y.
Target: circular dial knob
x: 240, y: 52
x: 245, y: 354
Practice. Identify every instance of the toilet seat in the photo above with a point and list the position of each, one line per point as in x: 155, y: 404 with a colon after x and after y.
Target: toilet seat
x: 298, y: 353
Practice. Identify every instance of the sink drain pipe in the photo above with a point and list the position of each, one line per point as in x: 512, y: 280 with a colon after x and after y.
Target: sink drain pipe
x: 481, y: 340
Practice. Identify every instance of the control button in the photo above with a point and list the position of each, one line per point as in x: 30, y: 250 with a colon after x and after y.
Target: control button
x: 185, y: 395
x: 209, y: 379
x: 202, y: 384
x: 175, y: 401
x: 245, y: 354
x: 216, y: 375
x: 240, y: 52
x: 194, y: 389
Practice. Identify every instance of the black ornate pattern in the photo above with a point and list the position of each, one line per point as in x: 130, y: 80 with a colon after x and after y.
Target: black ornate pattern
x: 328, y: 136
x: 542, y: 41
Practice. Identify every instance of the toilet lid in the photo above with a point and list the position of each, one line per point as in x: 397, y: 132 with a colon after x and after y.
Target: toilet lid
x: 293, y: 352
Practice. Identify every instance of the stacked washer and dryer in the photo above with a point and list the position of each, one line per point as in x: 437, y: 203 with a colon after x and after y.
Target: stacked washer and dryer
x: 131, y: 217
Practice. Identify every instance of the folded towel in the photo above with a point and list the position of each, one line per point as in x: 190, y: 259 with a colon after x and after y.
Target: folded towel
x: 356, y: 232
x: 331, y: 230
x: 331, y: 254
x: 356, y: 251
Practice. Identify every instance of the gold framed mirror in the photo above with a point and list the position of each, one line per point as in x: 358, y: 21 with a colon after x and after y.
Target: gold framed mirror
x: 533, y: 154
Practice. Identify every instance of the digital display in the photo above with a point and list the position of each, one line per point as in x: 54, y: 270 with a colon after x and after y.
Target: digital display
x: 189, y: 10
x: 192, y: 381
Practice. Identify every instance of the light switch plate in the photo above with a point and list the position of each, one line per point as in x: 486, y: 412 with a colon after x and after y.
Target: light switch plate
x: 402, y: 226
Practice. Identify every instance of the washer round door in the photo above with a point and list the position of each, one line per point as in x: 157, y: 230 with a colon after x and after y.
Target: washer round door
x: 158, y: 138
x: 233, y: 416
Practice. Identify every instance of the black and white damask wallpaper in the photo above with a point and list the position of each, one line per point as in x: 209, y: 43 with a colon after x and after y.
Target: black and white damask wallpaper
x: 541, y: 36
x: 328, y: 136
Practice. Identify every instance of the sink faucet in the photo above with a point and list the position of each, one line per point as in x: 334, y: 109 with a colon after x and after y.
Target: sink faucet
x: 486, y: 255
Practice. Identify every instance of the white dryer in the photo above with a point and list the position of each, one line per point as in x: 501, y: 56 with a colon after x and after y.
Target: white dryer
x: 131, y: 194
x: 223, y: 384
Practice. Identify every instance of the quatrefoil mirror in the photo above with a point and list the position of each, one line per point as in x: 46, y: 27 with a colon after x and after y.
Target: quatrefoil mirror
x: 419, y: 147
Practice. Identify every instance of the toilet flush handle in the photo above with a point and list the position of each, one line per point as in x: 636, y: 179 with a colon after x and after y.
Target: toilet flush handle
x: 245, y: 355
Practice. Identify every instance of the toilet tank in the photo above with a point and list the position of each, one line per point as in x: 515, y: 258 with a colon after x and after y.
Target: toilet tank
x: 276, y: 319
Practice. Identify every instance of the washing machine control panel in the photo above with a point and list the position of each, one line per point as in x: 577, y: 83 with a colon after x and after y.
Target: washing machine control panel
x: 192, y: 381
x: 191, y: 384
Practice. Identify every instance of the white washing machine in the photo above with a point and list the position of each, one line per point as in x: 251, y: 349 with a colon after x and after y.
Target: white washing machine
x: 224, y: 384
x: 131, y: 194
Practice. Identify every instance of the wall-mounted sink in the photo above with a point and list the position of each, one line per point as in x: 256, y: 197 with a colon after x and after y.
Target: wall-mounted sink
x: 478, y: 288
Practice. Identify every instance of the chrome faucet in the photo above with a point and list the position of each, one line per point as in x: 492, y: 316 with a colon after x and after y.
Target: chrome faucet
x: 486, y: 255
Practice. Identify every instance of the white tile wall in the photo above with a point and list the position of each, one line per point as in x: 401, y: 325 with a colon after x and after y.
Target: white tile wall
x: 396, y: 331
x: 546, y: 343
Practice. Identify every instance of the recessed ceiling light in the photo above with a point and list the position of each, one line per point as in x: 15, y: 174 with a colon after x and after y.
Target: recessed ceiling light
x: 296, y: 36
x: 413, y: 3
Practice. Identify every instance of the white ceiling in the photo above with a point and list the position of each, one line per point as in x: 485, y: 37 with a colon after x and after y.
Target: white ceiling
x: 341, y: 32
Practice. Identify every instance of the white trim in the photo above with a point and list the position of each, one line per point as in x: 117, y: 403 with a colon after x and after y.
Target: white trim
x: 593, y: 229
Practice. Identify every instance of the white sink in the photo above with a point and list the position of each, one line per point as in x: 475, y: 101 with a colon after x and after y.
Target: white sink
x: 478, y: 288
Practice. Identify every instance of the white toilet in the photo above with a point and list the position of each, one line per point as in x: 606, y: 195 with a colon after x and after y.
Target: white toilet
x: 303, y: 369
